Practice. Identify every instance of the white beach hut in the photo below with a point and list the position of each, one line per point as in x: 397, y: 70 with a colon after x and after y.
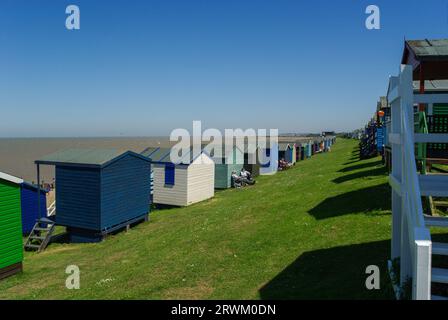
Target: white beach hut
x: 184, y: 183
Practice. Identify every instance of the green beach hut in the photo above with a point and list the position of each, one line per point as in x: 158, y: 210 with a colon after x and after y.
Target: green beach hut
x: 230, y: 159
x: 11, y: 254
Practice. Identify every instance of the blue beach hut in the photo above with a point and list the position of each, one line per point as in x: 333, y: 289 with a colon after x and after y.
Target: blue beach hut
x: 268, y: 158
x: 29, y: 203
x: 99, y: 191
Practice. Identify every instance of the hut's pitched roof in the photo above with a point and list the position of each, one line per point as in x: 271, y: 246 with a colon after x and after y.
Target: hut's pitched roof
x: 426, y: 49
x: 10, y: 178
x: 90, y: 157
x: 282, y: 146
x: 162, y: 155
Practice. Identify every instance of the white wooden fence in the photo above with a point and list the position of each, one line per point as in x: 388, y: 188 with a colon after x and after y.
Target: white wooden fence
x: 411, y: 239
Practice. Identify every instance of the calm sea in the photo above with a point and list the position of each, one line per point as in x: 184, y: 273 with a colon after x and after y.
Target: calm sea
x: 17, y: 155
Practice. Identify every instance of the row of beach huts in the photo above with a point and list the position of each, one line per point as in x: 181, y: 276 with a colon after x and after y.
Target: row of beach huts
x: 409, y: 130
x: 101, y: 191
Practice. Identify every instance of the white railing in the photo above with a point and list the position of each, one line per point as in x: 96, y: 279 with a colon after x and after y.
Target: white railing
x: 411, y: 240
x: 51, y: 210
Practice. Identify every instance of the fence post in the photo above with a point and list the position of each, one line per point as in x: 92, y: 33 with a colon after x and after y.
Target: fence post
x: 406, y: 93
x: 421, y: 285
x: 396, y: 155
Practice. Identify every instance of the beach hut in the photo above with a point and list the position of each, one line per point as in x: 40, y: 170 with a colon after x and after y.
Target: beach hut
x: 29, y: 202
x: 99, y: 191
x: 287, y: 151
x: 268, y: 156
x: 309, y: 149
x: 302, y: 151
x: 251, y: 161
x: 11, y: 253
x: 231, y: 159
x: 181, y: 184
x: 29, y: 205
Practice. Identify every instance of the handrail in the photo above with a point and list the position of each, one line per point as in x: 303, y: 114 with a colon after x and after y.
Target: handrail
x: 51, y: 209
x: 411, y: 240
x: 421, y: 148
x: 411, y: 182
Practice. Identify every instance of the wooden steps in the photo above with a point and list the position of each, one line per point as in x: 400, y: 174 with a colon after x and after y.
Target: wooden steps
x: 439, y: 275
x: 40, y: 236
x: 440, y: 248
x: 431, y: 221
x: 435, y: 185
x: 438, y: 298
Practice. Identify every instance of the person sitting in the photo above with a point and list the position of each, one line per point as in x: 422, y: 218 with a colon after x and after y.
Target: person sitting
x: 236, y: 180
x: 282, y: 164
x: 245, y: 174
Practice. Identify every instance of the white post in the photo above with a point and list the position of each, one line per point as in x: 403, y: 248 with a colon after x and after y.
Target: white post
x: 405, y: 250
x: 395, y: 128
x: 396, y: 225
x: 421, y: 287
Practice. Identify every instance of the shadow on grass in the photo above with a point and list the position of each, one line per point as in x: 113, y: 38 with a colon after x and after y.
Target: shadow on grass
x: 352, y: 162
x: 363, y: 200
x: 361, y: 166
x: 362, y: 174
x: 335, y: 273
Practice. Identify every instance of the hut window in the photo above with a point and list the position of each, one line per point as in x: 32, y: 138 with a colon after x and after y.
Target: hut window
x: 268, y: 156
x: 169, y: 174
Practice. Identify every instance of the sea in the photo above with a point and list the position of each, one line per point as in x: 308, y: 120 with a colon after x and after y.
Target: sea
x: 17, y: 155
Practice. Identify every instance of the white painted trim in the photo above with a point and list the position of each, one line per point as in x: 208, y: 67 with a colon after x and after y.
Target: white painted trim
x: 421, y: 289
x: 394, y: 138
x: 10, y: 178
x: 431, y: 138
x: 395, y: 184
x: 430, y: 98
x: 393, y: 95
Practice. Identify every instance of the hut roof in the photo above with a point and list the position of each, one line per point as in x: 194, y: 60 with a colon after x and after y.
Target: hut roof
x: 432, y: 85
x: 282, y: 146
x: 10, y: 178
x: 86, y: 157
x: 227, y: 149
x: 429, y: 58
x: 162, y: 155
x: 425, y: 50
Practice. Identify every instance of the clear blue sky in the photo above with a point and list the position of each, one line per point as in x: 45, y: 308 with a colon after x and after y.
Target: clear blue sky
x: 146, y: 67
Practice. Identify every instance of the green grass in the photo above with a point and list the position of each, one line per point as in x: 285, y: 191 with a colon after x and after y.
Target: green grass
x: 306, y: 233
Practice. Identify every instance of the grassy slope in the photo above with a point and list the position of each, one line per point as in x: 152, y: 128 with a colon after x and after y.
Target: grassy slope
x: 309, y: 232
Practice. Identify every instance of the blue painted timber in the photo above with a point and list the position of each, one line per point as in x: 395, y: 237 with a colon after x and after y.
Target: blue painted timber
x: 30, y: 212
x: 380, y: 139
x: 309, y: 149
x: 96, y: 198
x: 269, y: 159
x: 125, y: 191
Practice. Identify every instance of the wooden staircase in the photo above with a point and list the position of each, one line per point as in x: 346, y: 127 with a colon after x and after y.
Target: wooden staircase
x: 40, y: 236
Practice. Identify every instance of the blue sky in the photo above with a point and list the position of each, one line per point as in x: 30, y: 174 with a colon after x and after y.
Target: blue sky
x: 138, y: 68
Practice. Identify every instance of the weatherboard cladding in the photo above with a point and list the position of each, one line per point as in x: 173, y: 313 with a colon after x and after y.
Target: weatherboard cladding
x: 287, y: 151
x: 269, y: 159
x: 125, y: 191
x: 101, y: 197
x: 232, y: 161
x: 192, y: 183
x: 78, y: 197
x: 254, y: 166
x: 29, y: 202
x: 10, y: 225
